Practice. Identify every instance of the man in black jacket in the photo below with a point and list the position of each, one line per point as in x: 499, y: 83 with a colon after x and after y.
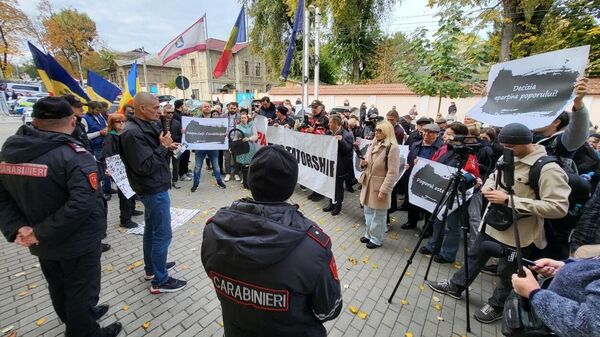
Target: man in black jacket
x: 272, y: 268
x: 145, y: 153
x: 176, y: 134
x: 63, y: 225
x: 344, y: 162
x: 267, y: 109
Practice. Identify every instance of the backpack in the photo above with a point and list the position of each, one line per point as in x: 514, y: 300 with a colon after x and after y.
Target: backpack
x: 587, y: 161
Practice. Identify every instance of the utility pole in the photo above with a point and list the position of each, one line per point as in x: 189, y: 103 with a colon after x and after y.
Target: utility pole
x: 79, y: 66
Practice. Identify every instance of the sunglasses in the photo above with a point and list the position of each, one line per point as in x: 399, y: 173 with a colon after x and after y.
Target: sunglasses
x: 378, y: 130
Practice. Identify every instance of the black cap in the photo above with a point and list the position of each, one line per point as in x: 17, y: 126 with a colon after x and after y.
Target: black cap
x: 515, y: 134
x: 423, y: 120
x: 74, y: 101
x: 51, y: 108
x: 316, y: 102
x: 283, y: 110
x: 273, y: 174
x: 178, y: 103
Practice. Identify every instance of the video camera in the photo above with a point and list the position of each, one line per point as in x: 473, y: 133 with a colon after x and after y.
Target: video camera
x: 464, y: 145
x: 373, y: 120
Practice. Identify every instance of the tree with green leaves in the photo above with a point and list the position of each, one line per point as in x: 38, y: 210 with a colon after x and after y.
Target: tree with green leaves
x: 14, y: 27
x: 449, y: 65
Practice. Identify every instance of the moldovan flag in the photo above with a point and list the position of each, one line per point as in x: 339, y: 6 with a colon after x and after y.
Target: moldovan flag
x: 100, y: 89
x: 57, y: 80
x: 191, y: 40
x: 131, y: 88
x: 238, y: 34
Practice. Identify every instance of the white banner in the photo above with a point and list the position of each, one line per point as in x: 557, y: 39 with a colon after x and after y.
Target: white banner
x: 261, y: 123
x: 427, y: 184
x: 532, y: 90
x: 364, y: 145
x: 205, y: 133
x: 316, y: 156
x: 179, y: 216
x: 116, y: 169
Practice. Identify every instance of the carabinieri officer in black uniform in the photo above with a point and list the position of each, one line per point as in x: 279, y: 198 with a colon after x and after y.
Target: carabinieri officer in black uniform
x: 272, y: 268
x: 49, y: 202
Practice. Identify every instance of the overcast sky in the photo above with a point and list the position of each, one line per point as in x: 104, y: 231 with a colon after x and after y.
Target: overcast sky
x: 128, y: 24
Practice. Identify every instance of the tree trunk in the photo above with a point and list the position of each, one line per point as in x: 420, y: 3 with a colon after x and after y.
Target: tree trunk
x: 4, y: 64
x: 355, y: 70
x: 508, y: 29
x: 439, y: 106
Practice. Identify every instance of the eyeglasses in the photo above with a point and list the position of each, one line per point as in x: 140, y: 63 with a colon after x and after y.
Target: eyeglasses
x: 378, y: 130
x: 170, y: 112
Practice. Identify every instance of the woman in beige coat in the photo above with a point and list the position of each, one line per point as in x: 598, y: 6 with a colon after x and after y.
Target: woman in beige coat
x: 381, y: 167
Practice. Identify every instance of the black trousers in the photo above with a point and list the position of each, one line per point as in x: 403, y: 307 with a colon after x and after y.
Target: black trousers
x: 126, y: 207
x: 477, y: 258
x: 184, y: 161
x: 74, y: 286
x: 175, y: 166
x: 339, y: 190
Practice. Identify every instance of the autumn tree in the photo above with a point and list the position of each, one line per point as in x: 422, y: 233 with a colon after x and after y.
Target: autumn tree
x: 14, y: 28
x: 387, y: 53
x: 449, y: 65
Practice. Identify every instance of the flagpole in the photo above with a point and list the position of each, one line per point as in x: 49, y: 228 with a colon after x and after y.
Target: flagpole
x: 317, y: 51
x: 145, y: 73
x: 305, y: 69
x: 209, y: 62
x: 80, y: 71
x: 247, y: 18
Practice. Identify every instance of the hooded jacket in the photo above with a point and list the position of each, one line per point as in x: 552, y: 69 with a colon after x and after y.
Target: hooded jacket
x: 49, y: 181
x: 272, y: 269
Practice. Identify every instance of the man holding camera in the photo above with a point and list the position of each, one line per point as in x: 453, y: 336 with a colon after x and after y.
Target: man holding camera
x: 553, y: 203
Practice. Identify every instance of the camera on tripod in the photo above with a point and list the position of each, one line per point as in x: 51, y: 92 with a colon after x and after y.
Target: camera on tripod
x: 464, y: 145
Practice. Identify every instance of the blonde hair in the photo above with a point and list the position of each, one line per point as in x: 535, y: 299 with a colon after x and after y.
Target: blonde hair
x: 388, y: 130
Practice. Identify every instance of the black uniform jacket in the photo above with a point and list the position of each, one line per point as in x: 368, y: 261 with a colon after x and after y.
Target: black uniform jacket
x: 146, y: 161
x: 49, y: 181
x: 272, y: 269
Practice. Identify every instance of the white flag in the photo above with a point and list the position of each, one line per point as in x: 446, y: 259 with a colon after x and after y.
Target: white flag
x: 191, y: 40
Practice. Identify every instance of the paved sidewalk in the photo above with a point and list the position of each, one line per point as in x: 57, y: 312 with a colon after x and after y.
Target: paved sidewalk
x: 366, y: 283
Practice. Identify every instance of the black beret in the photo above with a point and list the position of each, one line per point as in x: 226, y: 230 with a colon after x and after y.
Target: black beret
x: 51, y: 108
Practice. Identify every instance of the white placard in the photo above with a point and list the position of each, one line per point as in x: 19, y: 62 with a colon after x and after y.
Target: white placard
x: 116, y: 169
x: 364, y: 145
x: 532, y: 90
x: 205, y: 133
x: 179, y: 216
x: 316, y: 155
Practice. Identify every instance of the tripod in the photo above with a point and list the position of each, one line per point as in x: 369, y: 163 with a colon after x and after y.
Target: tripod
x: 456, y: 184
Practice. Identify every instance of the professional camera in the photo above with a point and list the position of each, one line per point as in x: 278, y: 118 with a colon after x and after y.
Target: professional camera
x: 373, y: 120
x: 465, y: 144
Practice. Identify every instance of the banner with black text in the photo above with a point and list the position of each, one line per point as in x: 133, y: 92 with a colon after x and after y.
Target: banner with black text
x: 205, y: 133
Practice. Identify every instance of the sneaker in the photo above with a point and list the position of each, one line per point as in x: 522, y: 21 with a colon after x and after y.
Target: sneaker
x: 491, y: 269
x: 112, y: 330
x: 221, y: 184
x: 172, y: 285
x: 128, y: 224
x: 371, y: 245
x: 487, y: 314
x: 227, y: 177
x: 445, y: 287
x: 185, y: 178
x: 425, y: 251
x: 193, y: 189
x: 170, y: 266
x: 441, y: 260
x: 175, y: 185
x: 236, y: 177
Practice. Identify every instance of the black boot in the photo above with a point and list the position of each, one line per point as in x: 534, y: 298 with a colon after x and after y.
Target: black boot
x: 337, y: 209
x: 329, y: 207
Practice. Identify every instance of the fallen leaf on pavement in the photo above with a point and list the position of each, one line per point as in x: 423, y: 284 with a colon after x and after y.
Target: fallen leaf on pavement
x: 125, y: 307
x: 7, y: 329
x: 404, y: 302
x: 457, y: 265
x: 191, y: 232
x: 146, y: 325
x: 408, y: 273
x: 23, y: 293
x: 375, y: 266
x: 393, y: 236
x: 346, y: 286
x: 353, y: 309
x: 338, y: 229
x: 408, y: 334
x: 221, y: 324
x: 355, y: 226
x: 436, y: 299
x: 110, y: 268
x: 184, y: 267
x: 440, y: 318
x: 20, y: 274
x: 41, y: 321
x: 365, y: 259
x: 422, y: 286
x: 138, y: 263
x: 353, y: 261
x: 343, y: 247
x: 322, y: 222
x: 438, y: 307
x: 12, y: 334
x: 362, y: 315
x: 406, y: 249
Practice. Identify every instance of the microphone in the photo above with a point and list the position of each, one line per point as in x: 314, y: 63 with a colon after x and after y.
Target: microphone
x: 163, y: 122
x: 499, y: 251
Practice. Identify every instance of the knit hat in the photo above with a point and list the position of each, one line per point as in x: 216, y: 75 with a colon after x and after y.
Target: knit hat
x: 515, y: 134
x: 51, y: 107
x: 273, y: 174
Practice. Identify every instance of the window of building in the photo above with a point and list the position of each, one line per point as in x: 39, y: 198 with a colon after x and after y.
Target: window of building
x: 258, y: 69
x: 196, y: 93
x: 193, y: 67
x: 246, y: 68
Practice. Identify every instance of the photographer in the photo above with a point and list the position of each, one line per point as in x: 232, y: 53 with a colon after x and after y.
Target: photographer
x: 450, y: 156
x: 570, y: 306
x: 369, y: 129
x: 531, y: 212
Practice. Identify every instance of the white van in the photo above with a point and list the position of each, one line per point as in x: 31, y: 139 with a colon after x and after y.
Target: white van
x: 24, y: 88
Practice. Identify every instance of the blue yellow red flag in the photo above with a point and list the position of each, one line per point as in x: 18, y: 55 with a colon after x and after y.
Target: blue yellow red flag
x: 131, y: 87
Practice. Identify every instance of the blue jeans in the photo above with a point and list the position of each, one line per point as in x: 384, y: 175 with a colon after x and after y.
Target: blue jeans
x: 375, y: 222
x: 157, y: 235
x: 451, y: 241
x: 213, y: 155
x: 101, y: 174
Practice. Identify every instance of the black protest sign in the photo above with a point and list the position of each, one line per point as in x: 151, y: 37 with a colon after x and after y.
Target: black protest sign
x: 205, y: 133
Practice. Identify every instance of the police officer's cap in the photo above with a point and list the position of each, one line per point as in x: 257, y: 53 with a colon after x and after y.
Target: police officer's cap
x: 51, y: 108
x: 273, y: 174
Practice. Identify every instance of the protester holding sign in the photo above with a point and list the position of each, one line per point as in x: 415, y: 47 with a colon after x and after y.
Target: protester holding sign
x: 344, y: 163
x: 381, y: 167
x: 116, y: 124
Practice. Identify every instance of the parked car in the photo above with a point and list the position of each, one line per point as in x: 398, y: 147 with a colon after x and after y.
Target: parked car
x: 165, y: 98
x: 341, y: 109
x: 25, y: 104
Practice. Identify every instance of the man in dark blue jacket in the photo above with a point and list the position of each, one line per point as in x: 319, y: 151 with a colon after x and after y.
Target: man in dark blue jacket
x: 49, y: 202
x: 344, y: 162
x: 145, y: 152
x: 272, y: 268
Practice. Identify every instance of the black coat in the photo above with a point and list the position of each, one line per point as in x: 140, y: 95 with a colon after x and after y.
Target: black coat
x: 175, y: 129
x: 272, y: 269
x: 110, y: 147
x: 80, y: 134
x: 56, y: 192
x: 146, y: 161
x: 345, y: 154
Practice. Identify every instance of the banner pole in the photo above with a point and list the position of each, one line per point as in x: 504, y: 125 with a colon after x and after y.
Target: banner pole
x: 209, y: 63
x: 181, y: 64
